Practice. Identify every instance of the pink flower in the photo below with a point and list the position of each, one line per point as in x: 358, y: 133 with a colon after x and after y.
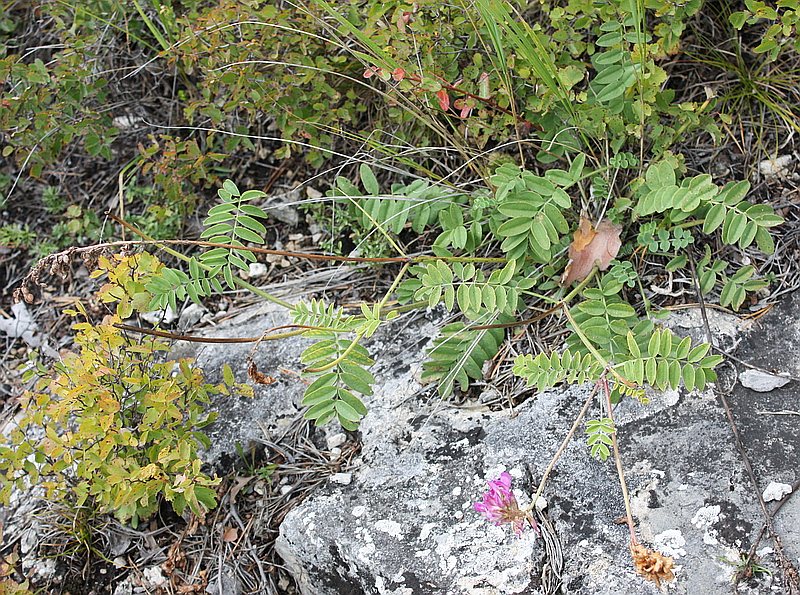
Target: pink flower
x: 500, y: 506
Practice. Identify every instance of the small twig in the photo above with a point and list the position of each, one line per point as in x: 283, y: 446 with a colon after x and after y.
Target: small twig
x: 195, y: 339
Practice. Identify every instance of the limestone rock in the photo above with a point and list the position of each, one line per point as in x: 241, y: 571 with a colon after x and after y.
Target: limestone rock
x: 405, y: 524
x: 762, y: 382
x: 242, y: 420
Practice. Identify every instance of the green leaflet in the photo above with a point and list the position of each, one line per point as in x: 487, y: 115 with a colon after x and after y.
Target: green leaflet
x: 458, y: 355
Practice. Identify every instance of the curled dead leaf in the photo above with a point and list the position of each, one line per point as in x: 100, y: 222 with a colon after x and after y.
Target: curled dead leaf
x: 652, y: 565
x: 259, y: 377
x: 591, y: 246
x: 230, y: 534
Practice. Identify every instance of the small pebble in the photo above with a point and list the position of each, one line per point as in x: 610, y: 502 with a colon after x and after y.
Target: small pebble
x: 336, y: 440
x: 342, y: 478
x: 257, y: 269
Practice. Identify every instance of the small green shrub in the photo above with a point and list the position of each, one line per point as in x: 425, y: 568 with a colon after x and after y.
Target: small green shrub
x: 113, y: 424
x: 17, y: 236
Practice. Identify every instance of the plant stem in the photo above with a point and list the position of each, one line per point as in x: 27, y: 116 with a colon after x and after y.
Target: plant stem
x: 562, y: 448
x: 579, y: 287
x: 618, y: 461
x: 360, y: 334
x: 161, y: 243
x: 562, y: 303
x: 592, y: 349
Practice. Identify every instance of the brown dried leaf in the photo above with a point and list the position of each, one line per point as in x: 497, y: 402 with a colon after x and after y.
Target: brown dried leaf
x: 591, y: 246
x: 259, y: 377
x: 238, y: 484
x: 652, y: 565
x: 230, y: 534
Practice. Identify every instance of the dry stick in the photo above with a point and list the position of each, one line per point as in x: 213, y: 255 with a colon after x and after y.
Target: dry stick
x: 304, y: 255
x: 195, y: 339
x: 620, y: 471
x: 752, y: 553
x: 562, y: 448
x: 790, y: 577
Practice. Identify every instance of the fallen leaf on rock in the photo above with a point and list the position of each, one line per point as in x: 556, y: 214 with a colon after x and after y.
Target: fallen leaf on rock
x: 591, y: 246
x: 259, y: 377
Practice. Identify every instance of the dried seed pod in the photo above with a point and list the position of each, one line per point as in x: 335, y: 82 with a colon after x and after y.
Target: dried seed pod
x: 652, y: 565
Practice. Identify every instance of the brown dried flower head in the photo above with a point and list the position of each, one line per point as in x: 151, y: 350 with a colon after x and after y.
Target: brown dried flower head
x: 652, y: 565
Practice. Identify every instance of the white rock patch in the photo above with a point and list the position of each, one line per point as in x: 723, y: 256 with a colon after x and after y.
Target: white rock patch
x: 776, y: 491
x: 391, y: 528
x: 670, y: 543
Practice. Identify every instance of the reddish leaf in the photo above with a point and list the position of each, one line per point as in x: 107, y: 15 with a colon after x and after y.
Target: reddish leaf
x: 464, y: 107
x: 403, y: 20
x: 398, y: 74
x: 371, y: 71
x: 230, y: 534
x: 591, y: 246
x: 444, y: 99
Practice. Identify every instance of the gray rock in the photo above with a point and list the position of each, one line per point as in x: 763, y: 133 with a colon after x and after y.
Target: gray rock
x: 257, y: 269
x: 726, y: 329
x: 165, y: 316
x: 153, y: 577
x: 768, y: 423
x: 762, y: 382
x: 406, y: 525
x: 242, y: 420
x: 283, y: 207
x: 191, y: 315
